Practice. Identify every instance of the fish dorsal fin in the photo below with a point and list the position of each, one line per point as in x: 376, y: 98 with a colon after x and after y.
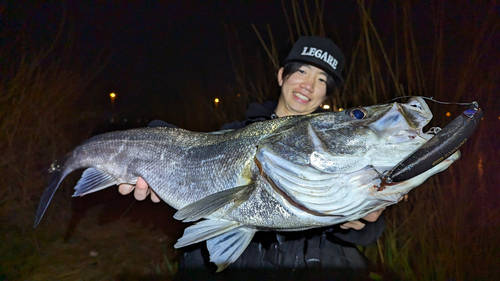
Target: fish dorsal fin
x: 204, y: 207
x: 204, y: 230
x: 160, y: 123
x: 228, y: 247
x: 221, y: 132
x: 93, y: 180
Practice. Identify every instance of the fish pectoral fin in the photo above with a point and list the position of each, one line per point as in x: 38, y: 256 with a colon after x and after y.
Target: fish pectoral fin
x: 228, y: 247
x: 205, y: 230
x: 206, y: 206
x: 93, y: 180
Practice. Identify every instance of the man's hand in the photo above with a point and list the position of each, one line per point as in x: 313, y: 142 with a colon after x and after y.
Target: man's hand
x: 371, y: 217
x: 141, y: 190
x: 358, y: 225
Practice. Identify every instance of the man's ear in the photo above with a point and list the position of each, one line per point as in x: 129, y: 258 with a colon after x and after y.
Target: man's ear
x: 280, y: 76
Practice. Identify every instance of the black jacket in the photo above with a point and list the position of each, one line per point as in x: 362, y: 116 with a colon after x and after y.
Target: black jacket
x: 330, y: 247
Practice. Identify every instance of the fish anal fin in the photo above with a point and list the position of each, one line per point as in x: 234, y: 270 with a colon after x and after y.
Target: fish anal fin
x: 228, y: 247
x: 205, y: 230
x: 204, y: 207
x: 93, y: 180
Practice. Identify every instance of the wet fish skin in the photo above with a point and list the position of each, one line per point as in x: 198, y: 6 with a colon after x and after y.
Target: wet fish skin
x: 285, y: 174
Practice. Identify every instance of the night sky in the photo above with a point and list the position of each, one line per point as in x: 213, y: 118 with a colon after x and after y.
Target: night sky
x: 158, y: 52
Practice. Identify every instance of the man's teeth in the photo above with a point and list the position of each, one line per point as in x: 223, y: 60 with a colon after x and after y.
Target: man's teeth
x: 300, y: 96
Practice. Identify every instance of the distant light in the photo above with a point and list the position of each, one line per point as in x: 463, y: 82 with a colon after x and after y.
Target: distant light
x: 448, y: 114
x: 326, y: 106
x: 238, y: 95
x: 216, y: 100
x: 112, y: 95
x: 341, y: 109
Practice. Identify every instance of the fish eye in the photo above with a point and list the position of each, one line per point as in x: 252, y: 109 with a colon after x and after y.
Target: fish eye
x: 358, y: 113
x: 415, y: 104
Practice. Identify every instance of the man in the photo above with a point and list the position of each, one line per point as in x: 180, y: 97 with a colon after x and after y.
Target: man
x: 310, y: 73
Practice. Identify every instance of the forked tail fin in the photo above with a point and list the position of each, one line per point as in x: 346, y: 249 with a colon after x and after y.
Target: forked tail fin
x: 57, y: 177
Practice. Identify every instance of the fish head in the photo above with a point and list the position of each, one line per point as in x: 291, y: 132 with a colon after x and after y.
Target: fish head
x: 339, y: 142
x: 330, y: 163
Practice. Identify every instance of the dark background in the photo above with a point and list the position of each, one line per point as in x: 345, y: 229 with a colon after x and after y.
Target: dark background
x: 163, y: 56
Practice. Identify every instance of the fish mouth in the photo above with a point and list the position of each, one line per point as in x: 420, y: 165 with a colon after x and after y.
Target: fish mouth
x: 404, y: 122
x: 405, y: 135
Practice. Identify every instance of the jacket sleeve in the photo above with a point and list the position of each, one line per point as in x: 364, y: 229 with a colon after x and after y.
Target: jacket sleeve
x: 240, y: 124
x: 234, y: 125
x: 366, y: 236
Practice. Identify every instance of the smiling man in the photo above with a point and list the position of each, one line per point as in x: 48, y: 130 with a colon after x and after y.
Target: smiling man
x: 310, y: 73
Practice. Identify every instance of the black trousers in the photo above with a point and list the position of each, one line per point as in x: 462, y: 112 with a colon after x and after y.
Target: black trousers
x: 265, y: 252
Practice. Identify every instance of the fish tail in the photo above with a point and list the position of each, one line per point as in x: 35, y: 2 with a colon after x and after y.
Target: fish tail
x: 57, y: 176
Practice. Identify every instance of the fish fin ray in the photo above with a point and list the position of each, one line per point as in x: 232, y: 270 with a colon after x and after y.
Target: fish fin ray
x: 56, y: 179
x: 161, y: 124
x: 93, y: 180
x: 204, y: 230
x: 228, y: 247
x: 204, y: 207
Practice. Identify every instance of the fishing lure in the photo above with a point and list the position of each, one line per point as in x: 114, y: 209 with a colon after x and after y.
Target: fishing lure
x: 446, y: 142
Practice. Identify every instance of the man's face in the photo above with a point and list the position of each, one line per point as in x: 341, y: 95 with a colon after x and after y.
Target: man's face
x: 303, y: 91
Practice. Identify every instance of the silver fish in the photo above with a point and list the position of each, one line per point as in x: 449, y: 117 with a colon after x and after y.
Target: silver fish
x: 287, y: 174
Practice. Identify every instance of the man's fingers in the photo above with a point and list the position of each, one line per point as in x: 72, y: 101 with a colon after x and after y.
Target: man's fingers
x: 154, y: 197
x: 373, y: 216
x: 141, y: 184
x: 353, y: 224
x: 141, y: 189
x: 125, y: 188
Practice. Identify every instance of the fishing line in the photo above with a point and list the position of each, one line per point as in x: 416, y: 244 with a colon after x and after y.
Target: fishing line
x: 126, y: 211
x: 436, y: 101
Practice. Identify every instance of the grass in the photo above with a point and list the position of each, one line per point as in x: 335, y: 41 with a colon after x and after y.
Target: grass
x: 449, y: 227
x: 448, y: 230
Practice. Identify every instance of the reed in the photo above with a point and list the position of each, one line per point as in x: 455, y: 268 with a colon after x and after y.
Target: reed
x: 448, y: 229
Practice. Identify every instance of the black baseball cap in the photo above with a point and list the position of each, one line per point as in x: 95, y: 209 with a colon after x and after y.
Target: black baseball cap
x: 320, y: 52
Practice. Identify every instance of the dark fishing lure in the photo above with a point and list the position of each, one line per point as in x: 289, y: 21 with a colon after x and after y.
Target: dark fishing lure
x: 439, y: 147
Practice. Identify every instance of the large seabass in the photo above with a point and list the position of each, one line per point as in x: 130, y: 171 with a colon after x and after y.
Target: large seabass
x: 286, y: 174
